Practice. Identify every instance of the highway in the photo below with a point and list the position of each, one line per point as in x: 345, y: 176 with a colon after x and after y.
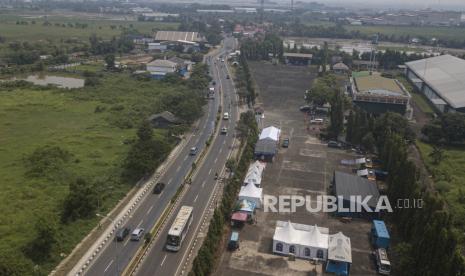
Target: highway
x: 162, y: 262
x: 116, y: 255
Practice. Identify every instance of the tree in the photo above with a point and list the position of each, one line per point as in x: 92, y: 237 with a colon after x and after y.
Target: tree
x: 110, y: 61
x: 145, y: 131
x: 81, y: 201
x: 368, y: 141
x: 40, y: 247
x: 437, y: 155
x: 337, y: 114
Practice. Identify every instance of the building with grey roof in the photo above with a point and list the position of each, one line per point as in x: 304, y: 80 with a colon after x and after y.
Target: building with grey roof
x: 175, y: 36
x: 347, y: 186
x: 265, y: 150
x: 441, y: 79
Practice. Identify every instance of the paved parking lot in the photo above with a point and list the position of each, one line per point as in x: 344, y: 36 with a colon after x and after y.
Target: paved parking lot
x: 305, y: 168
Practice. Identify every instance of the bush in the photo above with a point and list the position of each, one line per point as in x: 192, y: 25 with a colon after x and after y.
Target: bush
x: 46, y: 160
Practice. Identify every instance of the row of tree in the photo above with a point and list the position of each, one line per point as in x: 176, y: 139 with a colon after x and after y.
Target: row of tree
x: 244, y: 83
x: 208, y: 253
x: 448, y: 128
x: 260, y: 48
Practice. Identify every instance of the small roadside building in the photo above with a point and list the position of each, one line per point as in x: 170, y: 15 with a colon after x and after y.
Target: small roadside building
x: 300, y: 240
x: 183, y: 66
x: 340, y: 68
x: 348, y: 187
x: 339, y: 254
x: 251, y: 193
x: 298, y: 59
x: 163, y: 120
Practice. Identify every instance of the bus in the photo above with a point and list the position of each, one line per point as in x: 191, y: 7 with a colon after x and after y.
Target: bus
x: 179, y: 229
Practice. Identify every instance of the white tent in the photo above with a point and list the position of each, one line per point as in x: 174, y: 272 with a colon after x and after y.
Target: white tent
x: 339, y: 248
x: 271, y: 133
x: 304, y: 241
x: 363, y: 172
x: 254, y: 174
x: 251, y: 193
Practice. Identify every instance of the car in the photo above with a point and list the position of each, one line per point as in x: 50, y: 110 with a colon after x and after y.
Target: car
x: 158, y: 188
x: 122, y: 233
x: 137, y: 234
x: 286, y: 143
x: 226, y: 116
x: 227, y: 77
x: 213, y: 82
x: 224, y: 130
x: 334, y: 144
x: 193, y: 151
x: 305, y: 108
x: 222, y: 60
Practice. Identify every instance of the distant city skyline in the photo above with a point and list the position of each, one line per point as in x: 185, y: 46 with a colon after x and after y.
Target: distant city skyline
x: 398, y: 4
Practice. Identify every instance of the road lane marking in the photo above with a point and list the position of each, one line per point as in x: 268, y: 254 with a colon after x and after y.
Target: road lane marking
x: 162, y: 262
x: 185, y: 158
x: 169, y: 181
x: 139, y: 223
x: 126, y: 242
x: 108, y: 266
x: 216, y: 159
x: 177, y: 170
x: 203, y: 183
x: 150, y: 209
x: 210, y: 171
x: 195, y: 199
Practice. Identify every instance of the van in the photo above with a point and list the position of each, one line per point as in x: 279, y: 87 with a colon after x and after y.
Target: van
x: 226, y: 116
x: 233, y: 243
x: 317, y: 121
x: 137, y: 234
x: 383, y: 265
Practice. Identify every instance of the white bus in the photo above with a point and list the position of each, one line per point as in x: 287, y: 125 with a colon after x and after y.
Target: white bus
x: 179, y: 229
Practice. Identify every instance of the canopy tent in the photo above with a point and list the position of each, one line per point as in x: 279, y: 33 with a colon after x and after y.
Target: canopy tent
x: 339, y: 248
x: 239, y: 216
x: 305, y: 241
x: 254, y: 174
x: 270, y: 133
x: 251, y: 193
x: 245, y: 205
x: 357, y: 161
x: 363, y: 172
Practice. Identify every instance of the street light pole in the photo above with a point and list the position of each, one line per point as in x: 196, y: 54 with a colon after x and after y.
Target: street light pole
x: 116, y: 243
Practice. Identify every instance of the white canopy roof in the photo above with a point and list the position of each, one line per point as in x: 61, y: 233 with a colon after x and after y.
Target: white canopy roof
x: 363, y: 172
x: 254, y: 173
x: 301, y: 234
x: 270, y: 133
x: 250, y: 191
x: 339, y: 248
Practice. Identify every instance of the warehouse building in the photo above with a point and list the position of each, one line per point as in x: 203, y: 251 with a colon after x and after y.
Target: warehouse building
x: 441, y: 79
x: 377, y: 94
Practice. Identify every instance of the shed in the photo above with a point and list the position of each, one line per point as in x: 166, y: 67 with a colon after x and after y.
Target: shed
x: 270, y: 133
x: 340, y: 68
x: 163, y: 120
x: 265, y: 150
x: 379, y: 234
x: 347, y: 187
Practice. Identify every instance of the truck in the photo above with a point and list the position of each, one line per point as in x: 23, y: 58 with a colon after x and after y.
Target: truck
x: 379, y: 234
x: 383, y: 265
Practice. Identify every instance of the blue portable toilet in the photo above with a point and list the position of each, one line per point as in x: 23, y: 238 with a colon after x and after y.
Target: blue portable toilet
x: 233, y: 243
x: 379, y: 234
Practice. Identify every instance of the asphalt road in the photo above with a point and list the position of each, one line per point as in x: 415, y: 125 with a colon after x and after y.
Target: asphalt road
x: 116, y: 256
x: 162, y: 262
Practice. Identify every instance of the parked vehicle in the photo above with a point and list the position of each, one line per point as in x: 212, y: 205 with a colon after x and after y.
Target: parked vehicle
x: 383, y: 265
x: 233, y: 243
x: 379, y: 234
x: 122, y: 233
x: 137, y: 234
x: 305, y: 108
x: 193, y: 151
x: 334, y: 144
x: 286, y: 143
x: 158, y: 188
x: 226, y: 116
x: 227, y: 77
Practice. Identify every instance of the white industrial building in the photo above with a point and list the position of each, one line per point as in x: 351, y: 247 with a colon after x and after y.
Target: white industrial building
x: 300, y: 240
x: 441, y: 79
x: 160, y: 67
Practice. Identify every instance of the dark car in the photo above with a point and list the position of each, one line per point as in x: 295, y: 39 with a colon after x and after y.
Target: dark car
x: 158, y: 188
x: 193, y: 151
x: 334, y: 144
x: 305, y: 108
x: 122, y: 233
x: 286, y: 143
x: 227, y: 77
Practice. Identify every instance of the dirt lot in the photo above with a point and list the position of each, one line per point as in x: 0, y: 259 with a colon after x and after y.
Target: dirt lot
x: 305, y: 168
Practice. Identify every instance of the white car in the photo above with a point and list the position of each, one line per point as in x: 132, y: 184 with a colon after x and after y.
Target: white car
x: 224, y: 130
x: 137, y: 234
x: 226, y: 116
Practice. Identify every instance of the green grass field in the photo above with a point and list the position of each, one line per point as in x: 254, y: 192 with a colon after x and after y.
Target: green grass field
x: 449, y: 33
x: 449, y: 177
x: 34, y: 117
x: 102, y: 28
